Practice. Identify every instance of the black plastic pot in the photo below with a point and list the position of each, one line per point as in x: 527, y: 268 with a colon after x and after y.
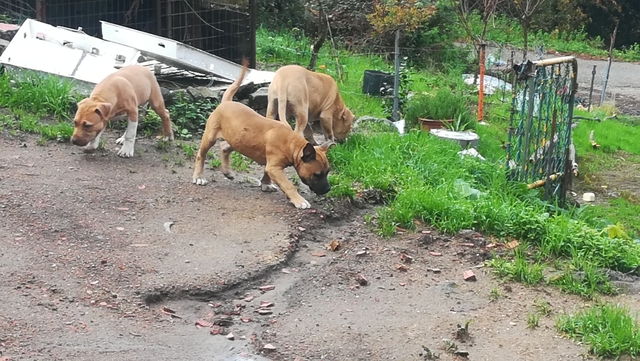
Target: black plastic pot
x: 375, y: 80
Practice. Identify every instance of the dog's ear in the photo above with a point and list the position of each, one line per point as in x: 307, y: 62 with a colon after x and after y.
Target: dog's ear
x: 308, y: 153
x: 103, y: 110
x: 327, y: 145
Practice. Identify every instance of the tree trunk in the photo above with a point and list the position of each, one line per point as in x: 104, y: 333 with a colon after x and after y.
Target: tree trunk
x: 316, y: 49
x: 525, y: 43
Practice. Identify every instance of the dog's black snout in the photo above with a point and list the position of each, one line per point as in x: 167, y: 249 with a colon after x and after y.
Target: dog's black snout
x: 322, y: 190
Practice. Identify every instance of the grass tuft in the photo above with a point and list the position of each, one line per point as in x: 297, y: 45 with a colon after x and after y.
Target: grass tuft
x: 608, y: 330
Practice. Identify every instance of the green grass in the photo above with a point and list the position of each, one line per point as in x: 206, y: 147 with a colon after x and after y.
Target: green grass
x: 608, y: 329
x: 37, y: 103
x: 418, y: 175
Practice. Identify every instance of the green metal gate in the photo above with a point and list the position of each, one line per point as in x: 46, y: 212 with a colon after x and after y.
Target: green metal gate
x: 539, y: 147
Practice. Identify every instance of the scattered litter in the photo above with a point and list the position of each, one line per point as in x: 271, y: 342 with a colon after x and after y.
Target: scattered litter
x: 401, y: 268
x: 264, y: 312
x: 361, y: 253
x: 465, y: 190
x: 333, y: 245
x: 511, y: 245
x: 435, y: 253
x: 469, y: 275
x: 215, y: 330
x: 248, y: 298
x: 267, y: 288
x: 286, y: 270
x: 135, y: 334
x: 302, y: 229
x: 142, y: 187
x: 168, y: 310
x: 318, y: 254
x: 434, y: 270
x: 167, y: 226
x: 491, y: 84
x: 471, y: 152
x: 230, y: 337
x: 203, y: 323
x: 245, y: 319
x: 268, y: 347
x: 120, y: 228
x: 265, y: 304
x: 122, y: 208
x: 468, y: 244
x: 589, y: 197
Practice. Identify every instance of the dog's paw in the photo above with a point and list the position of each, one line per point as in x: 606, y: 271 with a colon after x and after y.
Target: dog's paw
x: 168, y: 138
x: 200, y: 181
x: 269, y: 187
x: 302, y: 203
x: 120, y: 140
x: 126, y: 151
x: 229, y: 174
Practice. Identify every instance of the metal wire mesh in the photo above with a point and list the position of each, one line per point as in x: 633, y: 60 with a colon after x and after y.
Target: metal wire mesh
x: 539, y: 137
x: 16, y: 11
x: 222, y: 27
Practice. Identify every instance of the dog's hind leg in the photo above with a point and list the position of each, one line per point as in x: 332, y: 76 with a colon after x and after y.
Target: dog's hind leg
x: 266, y: 184
x: 157, y: 104
x: 208, y: 140
x: 225, y: 153
x: 272, y: 108
x: 282, y: 109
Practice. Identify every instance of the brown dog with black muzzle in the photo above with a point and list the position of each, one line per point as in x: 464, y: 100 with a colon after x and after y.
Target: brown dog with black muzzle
x: 119, y: 93
x: 309, y: 96
x: 267, y: 142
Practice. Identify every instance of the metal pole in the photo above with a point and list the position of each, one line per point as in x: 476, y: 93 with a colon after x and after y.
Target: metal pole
x: 593, y: 77
x: 481, y: 85
x: 606, y: 79
x: 396, y: 80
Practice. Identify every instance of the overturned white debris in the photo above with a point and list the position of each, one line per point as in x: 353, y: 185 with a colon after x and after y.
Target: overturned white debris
x: 180, y: 55
x: 64, y: 52
x: 73, y: 54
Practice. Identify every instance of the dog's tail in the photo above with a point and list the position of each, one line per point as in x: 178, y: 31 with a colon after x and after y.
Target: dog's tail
x: 233, y: 88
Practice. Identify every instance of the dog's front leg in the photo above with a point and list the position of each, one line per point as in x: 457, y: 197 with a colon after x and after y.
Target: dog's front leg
x: 94, y: 144
x: 128, y: 139
x: 276, y: 174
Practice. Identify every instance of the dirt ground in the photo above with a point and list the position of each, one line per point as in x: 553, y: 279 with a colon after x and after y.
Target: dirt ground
x: 103, y: 258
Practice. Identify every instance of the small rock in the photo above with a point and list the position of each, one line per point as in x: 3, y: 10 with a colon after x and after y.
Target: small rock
x: 266, y: 304
x: 230, y: 337
x: 469, y: 275
x: 264, y: 312
x: 362, y: 280
x: 361, y: 253
x: 267, y: 288
x: 435, y: 253
x: 268, y: 347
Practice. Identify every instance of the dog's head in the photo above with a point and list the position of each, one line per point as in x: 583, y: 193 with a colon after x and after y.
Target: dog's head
x: 90, y: 119
x: 313, y: 167
x: 342, y: 124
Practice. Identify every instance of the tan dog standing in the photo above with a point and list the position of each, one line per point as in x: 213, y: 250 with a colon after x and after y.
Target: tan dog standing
x: 119, y: 93
x: 267, y: 142
x: 308, y: 96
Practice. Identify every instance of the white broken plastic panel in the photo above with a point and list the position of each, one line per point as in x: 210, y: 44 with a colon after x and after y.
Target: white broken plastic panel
x: 179, y: 55
x: 64, y: 52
